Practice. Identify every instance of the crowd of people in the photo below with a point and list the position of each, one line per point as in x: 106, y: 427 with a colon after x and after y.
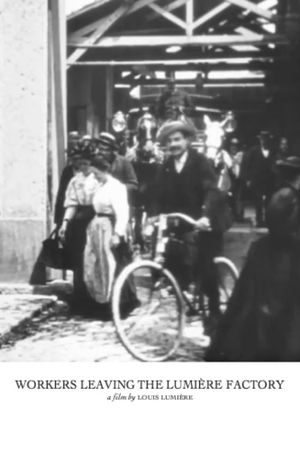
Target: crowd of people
x: 251, y: 174
x: 99, y: 191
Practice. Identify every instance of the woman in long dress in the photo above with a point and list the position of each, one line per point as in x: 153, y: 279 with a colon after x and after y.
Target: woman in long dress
x: 78, y: 212
x: 105, y: 233
x: 100, y: 248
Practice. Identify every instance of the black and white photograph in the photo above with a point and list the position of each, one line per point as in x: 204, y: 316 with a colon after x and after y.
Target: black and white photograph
x: 150, y: 181
x: 150, y: 193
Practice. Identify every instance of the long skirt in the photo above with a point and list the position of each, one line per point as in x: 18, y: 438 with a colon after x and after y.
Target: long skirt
x: 99, y: 262
x: 102, y: 264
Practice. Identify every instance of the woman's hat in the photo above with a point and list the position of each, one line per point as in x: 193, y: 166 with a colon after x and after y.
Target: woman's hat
x: 292, y: 163
x: 81, y: 150
x: 107, y: 140
x: 173, y: 126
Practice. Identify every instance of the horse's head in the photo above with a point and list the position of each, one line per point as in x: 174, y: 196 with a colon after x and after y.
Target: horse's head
x: 146, y: 134
x: 216, y: 130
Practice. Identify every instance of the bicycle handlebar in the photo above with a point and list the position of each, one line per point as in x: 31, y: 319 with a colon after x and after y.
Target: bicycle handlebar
x: 181, y: 216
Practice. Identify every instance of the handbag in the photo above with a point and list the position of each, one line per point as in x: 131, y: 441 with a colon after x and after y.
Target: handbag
x: 53, y: 254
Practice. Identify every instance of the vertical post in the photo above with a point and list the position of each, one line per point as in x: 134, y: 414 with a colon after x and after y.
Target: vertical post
x: 109, y: 104
x: 59, y: 76
x: 189, y: 17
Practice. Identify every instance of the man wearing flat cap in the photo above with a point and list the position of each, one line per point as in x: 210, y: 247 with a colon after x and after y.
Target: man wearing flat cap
x: 121, y: 169
x: 187, y: 184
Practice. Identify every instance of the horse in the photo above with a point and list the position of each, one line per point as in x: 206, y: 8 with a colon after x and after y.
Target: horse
x: 220, y: 159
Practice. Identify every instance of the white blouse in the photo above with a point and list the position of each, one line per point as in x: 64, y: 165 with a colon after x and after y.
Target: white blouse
x: 81, y: 190
x: 111, y: 198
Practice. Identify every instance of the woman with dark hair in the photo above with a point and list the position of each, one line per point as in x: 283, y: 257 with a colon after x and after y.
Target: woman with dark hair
x: 78, y: 212
x: 105, y: 233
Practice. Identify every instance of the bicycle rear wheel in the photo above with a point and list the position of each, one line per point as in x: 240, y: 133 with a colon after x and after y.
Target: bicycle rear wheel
x: 227, y: 277
x: 153, y: 330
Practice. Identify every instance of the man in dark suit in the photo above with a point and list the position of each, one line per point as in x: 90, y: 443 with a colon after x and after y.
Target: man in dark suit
x: 187, y: 184
x: 260, y: 175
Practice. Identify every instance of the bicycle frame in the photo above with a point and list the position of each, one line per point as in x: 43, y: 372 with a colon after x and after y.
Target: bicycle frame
x: 161, y: 243
x: 162, y: 225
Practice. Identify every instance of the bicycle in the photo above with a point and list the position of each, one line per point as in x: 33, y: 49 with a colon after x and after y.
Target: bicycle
x: 153, y: 331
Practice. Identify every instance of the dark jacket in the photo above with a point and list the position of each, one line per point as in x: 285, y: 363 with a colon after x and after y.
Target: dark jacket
x: 169, y: 100
x: 66, y: 176
x: 283, y: 213
x: 262, y: 321
x: 193, y: 192
x: 123, y: 171
x: 259, y: 170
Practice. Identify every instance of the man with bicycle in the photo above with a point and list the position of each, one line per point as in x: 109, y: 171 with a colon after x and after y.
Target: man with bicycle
x: 187, y: 184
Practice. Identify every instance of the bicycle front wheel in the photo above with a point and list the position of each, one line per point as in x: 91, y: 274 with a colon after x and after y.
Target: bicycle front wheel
x: 227, y: 277
x: 153, y: 329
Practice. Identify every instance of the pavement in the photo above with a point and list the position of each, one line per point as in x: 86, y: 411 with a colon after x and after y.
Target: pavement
x: 35, y: 325
x: 21, y: 303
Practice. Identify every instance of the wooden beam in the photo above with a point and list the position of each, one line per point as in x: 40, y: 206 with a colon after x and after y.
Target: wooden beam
x: 247, y: 33
x: 87, y: 8
x: 158, y: 82
x: 174, y: 5
x: 168, y: 16
x: 249, y: 6
x: 189, y: 17
x: 78, y: 34
x: 182, y: 64
x: 106, y: 23
x: 197, y: 64
x: 210, y: 14
x: 139, y: 4
x: 170, y: 7
x: 244, y: 31
x: 88, y: 29
x: 165, y: 41
x: 223, y: 82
